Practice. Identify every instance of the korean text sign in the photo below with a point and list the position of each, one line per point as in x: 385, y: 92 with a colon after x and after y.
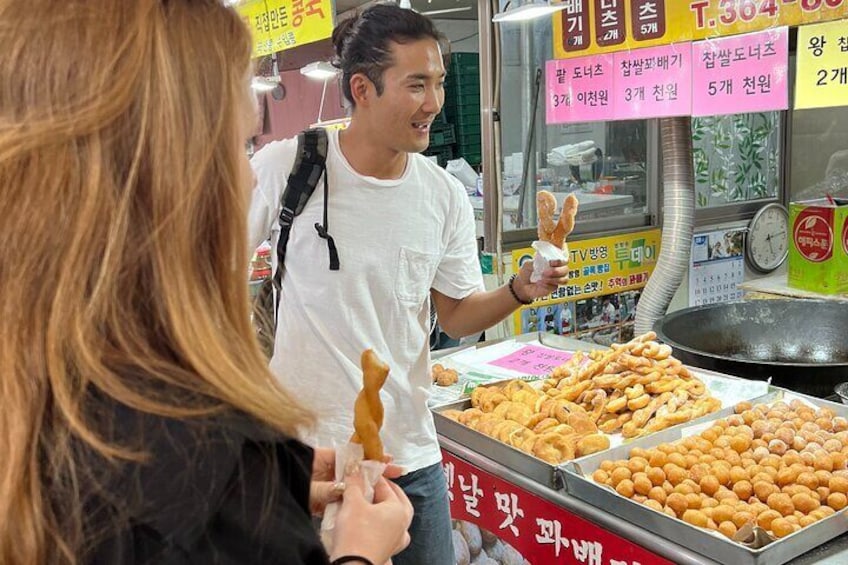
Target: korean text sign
x: 277, y: 25
x: 822, y: 77
x: 539, y: 530
x: 588, y: 27
x: 743, y: 73
x: 579, y: 90
x: 598, y: 267
x: 653, y: 82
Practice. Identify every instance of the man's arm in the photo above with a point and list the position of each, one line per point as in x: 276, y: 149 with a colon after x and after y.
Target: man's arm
x: 483, y: 309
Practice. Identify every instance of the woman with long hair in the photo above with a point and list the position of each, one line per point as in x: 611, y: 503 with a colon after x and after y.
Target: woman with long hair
x: 138, y: 419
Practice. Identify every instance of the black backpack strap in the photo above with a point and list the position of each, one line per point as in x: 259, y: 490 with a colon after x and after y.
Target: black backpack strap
x: 309, y: 166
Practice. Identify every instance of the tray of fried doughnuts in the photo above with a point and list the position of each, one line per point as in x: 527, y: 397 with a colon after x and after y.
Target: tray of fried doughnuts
x: 597, y: 399
x: 763, y: 481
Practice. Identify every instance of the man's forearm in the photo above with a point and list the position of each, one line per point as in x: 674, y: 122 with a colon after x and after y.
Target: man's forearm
x: 476, y: 312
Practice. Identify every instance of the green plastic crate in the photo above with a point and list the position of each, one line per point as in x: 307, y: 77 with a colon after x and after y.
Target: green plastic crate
x: 467, y: 122
x: 442, y: 134
x: 462, y: 63
x: 464, y: 79
x: 444, y: 155
x: 469, y: 139
x: 462, y: 90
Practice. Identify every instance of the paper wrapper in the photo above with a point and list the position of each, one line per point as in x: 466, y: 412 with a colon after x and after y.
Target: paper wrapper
x: 546, y: 252
x: 348, y: 459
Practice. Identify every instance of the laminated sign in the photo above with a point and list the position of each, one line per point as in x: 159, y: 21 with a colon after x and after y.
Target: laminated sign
x: 822, y: 77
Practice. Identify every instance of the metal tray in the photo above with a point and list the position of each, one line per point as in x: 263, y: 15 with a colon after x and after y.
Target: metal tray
x: 516, y: 460
x: 717, y: 547
x: 547, y: 474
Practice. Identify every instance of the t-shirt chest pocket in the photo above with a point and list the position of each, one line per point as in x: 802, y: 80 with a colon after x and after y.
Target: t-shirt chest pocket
x: 414, y: 275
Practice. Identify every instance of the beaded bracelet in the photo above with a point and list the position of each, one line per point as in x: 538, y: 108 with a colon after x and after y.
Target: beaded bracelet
x: 515, y: 294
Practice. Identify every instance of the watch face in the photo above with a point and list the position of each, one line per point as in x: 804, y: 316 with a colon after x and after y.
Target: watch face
x: 768, y: 238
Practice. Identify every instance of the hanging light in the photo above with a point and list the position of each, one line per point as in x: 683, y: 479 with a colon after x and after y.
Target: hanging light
x: 267, y: 84
x: 320, y: 70
x: 527, y: 11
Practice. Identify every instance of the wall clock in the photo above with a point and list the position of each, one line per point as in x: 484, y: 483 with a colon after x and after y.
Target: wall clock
x: 767, y: 242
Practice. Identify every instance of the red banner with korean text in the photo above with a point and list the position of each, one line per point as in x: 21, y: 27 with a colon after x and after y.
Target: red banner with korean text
x: 537, y: 528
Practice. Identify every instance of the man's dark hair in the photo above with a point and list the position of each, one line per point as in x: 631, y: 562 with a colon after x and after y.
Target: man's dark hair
x: 362, y: 43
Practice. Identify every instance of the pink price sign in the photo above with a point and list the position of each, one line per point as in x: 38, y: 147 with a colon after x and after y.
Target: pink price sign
x: 654, y: 82
x: 533, y: 360
x: 580, y: 90
x: 743, y: 73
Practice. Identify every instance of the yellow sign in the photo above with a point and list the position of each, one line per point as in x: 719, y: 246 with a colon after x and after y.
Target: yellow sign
x: 605, y: 273
x: 822, y: 77
x: 277, y: 25
x: 588, y: 27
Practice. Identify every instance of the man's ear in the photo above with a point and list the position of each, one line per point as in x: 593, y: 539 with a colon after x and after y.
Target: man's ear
x: 361, y: 89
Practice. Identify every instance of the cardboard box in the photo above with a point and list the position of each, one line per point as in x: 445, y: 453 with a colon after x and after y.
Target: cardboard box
x: 818, y: 250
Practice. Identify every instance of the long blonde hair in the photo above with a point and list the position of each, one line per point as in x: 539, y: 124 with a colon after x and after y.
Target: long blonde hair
x: 122, y: 241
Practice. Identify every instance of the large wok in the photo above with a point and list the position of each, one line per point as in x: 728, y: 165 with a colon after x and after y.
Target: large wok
x: 801, y: 344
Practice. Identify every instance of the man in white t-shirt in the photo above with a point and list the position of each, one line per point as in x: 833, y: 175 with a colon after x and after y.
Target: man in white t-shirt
x: 404, y: 230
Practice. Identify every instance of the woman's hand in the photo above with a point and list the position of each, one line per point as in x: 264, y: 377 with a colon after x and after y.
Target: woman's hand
x: 324, y: 490
x: 375, y: 530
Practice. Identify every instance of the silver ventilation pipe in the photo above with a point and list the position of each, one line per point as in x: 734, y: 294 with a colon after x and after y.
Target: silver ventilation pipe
x: 678, y: 213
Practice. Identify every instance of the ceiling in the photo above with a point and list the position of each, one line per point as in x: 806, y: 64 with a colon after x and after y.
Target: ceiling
x: 424, y: 6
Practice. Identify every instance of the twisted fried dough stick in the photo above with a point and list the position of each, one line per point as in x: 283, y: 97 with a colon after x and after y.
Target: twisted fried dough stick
x: 549, y: 229
x: 368, y: 408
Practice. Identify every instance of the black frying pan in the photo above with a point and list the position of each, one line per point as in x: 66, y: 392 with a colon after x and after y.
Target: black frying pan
x: 801, y: 344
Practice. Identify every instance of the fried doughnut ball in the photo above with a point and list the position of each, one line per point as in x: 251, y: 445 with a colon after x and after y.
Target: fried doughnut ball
x: 764, y: 489
x: 743, y: 489
x: 741, y: 407
x: 727, y: 528
x: 781, y: 527
x: 641, y: 483
x: 709, y: 485
x: 638, y: 452
x: 620, y: 474
x: 693, y: 501
x: 764, y: 519
x: 675, y: 474
x: 625, y: 488
x: 781, y: 502
x: 600, y: 476
x: 737, y: 474
x: 656, y: 475
x: 786, y: 476
x: 742, y: 518
x: 658, y: 459
x: 723, y: 513
x: 654, y: 505
x: 677, y: 502
x: 635, y: 464
x: 804, y: 502
x: 696, y: 518
x: 607, y: 465
x: 658, y: 494
x: 808, y: 480
x: 838, y: 484
x: 837, y: 500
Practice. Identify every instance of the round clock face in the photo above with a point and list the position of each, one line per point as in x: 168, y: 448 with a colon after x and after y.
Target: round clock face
x: 767, y: 244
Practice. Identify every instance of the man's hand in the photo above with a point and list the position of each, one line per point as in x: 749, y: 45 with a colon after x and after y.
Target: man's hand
x: 553, y: 277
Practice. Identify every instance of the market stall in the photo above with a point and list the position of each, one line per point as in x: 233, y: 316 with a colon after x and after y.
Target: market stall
x: 548, y: 511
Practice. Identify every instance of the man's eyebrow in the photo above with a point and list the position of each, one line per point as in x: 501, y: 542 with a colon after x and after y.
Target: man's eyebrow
x: 424, y: 76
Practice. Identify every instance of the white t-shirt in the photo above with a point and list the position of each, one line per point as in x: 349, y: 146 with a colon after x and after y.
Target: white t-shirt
x: 396, y: 240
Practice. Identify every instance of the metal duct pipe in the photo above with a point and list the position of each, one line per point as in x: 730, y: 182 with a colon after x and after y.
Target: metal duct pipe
x: 678, y: 220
